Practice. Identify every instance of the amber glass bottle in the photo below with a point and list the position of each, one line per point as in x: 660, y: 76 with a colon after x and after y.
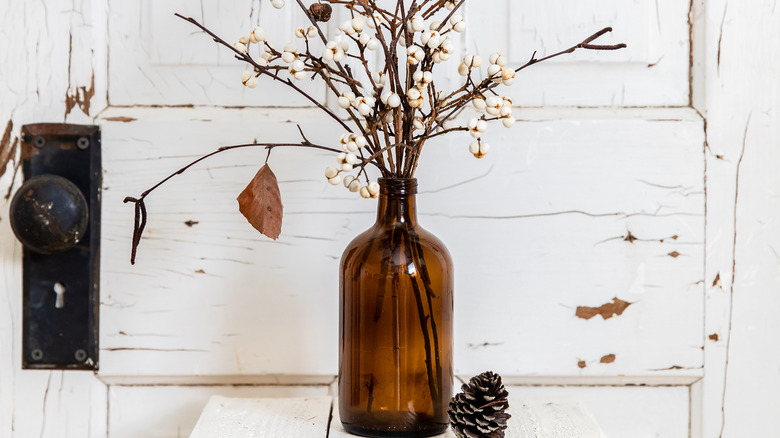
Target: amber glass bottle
x: 395, y: 361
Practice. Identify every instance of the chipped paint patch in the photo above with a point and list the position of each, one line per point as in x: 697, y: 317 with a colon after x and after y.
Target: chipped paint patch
x: 610, y: 358
x: 674, y: 254
x: 80, y: 97
x: 716, y: 282
x: 582, y: 364
x: 120, y: 119
x: 616, y: 307
x: 714, y: 337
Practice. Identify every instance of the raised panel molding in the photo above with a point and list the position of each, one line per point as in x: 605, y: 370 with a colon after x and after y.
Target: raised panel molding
x: 651, y: 71
x: 156, y: 58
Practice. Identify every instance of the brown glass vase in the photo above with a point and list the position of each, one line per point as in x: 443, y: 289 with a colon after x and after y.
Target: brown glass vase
x: 395, y: 361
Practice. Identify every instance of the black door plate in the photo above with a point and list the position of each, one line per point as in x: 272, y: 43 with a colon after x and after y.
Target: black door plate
x: 63, y: 335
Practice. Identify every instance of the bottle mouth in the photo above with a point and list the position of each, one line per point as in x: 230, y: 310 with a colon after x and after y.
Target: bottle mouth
x: 398, y: 186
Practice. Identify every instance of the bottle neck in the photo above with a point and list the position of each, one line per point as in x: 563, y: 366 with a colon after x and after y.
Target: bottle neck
x: 397, y: 202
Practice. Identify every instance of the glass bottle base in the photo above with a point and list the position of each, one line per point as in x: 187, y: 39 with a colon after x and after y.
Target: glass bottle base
x: 362, y: 431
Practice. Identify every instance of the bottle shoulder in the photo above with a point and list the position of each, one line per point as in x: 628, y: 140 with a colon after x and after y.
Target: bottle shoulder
x: 381, y: 239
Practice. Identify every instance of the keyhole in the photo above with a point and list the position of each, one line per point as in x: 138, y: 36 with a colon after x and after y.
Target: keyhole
x: 59, y: 289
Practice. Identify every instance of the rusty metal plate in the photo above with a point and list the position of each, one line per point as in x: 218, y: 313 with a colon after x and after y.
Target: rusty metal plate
x: 61, y: 290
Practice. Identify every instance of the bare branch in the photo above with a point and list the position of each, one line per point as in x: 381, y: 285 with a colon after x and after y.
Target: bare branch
x: 263, y: 70
x: 140, y: 206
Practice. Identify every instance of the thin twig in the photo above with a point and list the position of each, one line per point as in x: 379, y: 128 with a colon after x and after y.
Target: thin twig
x: 487, y: 84
x: 452, y: 12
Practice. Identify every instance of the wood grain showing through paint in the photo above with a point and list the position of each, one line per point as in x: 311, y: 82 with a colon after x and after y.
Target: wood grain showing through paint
x: 616, y: 307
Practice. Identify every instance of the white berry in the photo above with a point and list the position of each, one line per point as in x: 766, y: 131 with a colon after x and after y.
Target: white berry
x: 257, y: 35
x: 330, y: 172
x: 373, y: 188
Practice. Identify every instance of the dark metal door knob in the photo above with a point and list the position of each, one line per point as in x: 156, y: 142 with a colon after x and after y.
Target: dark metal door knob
x: 49, y: 214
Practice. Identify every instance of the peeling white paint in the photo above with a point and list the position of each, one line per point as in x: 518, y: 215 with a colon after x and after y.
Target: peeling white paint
x: 552, y: 205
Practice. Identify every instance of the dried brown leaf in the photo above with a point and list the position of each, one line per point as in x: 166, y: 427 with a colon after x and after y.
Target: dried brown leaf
x: 261, y: 203
x: 616, y: 307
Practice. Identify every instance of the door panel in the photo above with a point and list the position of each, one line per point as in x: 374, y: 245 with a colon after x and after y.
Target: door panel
x: 156, y: 58
x: 564, y: 213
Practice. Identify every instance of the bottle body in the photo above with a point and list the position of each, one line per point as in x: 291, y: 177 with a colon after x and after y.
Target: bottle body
x: 396, y: 306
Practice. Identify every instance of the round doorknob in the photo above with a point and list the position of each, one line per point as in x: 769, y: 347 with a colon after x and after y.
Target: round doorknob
x: 49, y: 214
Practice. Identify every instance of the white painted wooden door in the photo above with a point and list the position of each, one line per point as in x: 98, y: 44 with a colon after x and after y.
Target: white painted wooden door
x: 589, y: 245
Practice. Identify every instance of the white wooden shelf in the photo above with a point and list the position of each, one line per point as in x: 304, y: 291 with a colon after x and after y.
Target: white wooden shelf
x: 317, y: 417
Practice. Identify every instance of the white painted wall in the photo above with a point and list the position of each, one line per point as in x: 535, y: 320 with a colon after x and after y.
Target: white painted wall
x: 687, y: 168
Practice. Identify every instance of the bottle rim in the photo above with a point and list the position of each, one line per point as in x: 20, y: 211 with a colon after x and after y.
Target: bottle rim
x: 398, y: 186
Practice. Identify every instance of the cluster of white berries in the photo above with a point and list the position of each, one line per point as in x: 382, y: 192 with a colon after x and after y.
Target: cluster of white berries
x: 415, y: 97
x: 426, y: 43
x: 496, y: 106
x: 469, y: 62
x: 350, y: 182
x: 356, y: 26
x: 393, y: 100
x: 364, y: 105
x: 366, y: 191
x: 438, y: 45
x: 347, y: 161
x: 498, y: 72
x: 479, y: 148
x: 309, y: 32
x: 414, y: 55
x: 257, y: 36
x: 477, y: 127
x: 335, y: 51
x: 290, y: 53
x: 351, y: 142
x: 248, y: 78
x: 241, y: 44
x: 499, y: 107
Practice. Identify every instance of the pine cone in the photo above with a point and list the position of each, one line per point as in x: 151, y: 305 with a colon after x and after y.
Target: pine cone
x: 480, y: 410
